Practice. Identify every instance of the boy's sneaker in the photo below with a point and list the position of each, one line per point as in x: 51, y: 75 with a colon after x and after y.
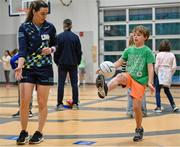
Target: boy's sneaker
x: 175, y: 108
x: 157, y: 110
x: 36, y: 138
x: 75, y: 107
x: 30, y: 114
x: 16, y: 115
x: 101, y: 86
x: 23, y: 138
x: 60, y: 107
x: 138, y: 134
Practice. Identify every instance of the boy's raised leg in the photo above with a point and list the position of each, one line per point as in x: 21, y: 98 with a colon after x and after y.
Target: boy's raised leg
x: 101, y: 86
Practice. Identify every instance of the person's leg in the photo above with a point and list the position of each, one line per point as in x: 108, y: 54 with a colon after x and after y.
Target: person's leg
x: 144, y: 103
x: 138, y: 112
x: 170, y: 98
x: 31, y: 104
x: 129, y: 104
x: 16, y: 115
x: 103, y: 88
x: 6, y: 73
x: 138, y: 117
x: 73, y: 73
x: 157, y: 94
x: 42, y: 97
x: 120, y: 79
x: 8, y: 76
x: 25, y: 94
x: 61, y: 81
x: 30, y: 107
x: 144, y: 108
x: 169, y: 95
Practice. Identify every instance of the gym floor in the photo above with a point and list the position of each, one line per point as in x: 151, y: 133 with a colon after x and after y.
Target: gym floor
x: 98, y: 122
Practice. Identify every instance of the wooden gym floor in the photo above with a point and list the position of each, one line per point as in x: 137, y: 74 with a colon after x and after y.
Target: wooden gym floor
x: 100, y: 122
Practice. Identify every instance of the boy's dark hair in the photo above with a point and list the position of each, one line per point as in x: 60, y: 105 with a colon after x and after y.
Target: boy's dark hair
x: 143, y: 30
x: 165, y: 46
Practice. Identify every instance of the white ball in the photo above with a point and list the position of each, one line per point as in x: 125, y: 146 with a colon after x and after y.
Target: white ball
x: 107, y: 68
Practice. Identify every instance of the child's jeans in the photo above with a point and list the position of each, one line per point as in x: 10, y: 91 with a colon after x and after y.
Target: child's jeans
x: 130, y: 103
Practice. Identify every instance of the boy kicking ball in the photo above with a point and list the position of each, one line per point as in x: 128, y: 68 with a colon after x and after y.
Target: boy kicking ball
x: 139, y: 73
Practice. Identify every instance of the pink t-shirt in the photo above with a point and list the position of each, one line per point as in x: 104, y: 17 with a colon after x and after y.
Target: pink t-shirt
x: 165, y: 67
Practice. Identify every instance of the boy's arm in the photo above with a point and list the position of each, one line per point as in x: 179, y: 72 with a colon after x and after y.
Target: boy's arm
x: 151, y: 77
x: 118, y: 63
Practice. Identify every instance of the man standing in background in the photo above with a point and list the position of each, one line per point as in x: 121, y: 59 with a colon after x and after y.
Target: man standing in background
x: 67, y: 57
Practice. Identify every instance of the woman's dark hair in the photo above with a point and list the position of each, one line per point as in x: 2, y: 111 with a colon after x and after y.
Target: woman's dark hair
x: 35, y: 5
x: 7, y: 51
x: 165, y: 46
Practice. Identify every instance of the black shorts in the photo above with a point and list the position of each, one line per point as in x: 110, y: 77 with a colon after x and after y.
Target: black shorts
x: 38, y: 75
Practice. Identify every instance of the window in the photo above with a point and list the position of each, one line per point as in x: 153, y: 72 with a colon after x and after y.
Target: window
x: 149, y: 43
x: 175, y: 43
x: 132, y: 26
x: 167, y: 28
x: 163, y: 22
x: 114, y: 15
x: 114, y: 45
x: 176, y: 77
x: 115, y: 30
x: 140, y: 14
x: 111, y: 58
x: 177, y: 60
x: 167, y: 13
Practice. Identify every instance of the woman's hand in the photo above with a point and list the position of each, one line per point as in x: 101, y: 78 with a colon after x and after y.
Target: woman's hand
x: 18, y: 73
x: 46, y: 51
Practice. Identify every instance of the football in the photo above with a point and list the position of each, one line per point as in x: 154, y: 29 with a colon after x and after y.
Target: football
x: 107, y: 68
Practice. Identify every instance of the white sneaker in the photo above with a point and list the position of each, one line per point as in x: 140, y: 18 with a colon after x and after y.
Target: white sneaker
x: 157, y: 110
x: 175, y: 109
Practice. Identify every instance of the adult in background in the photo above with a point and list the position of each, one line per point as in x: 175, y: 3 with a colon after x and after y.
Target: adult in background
x: 67, y: 57
x: 6, y: 66
x: 36, y: 40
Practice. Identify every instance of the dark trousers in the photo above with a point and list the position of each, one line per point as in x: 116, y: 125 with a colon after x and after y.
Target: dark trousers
x: 6, y: 73
x: 73, y: 74
x: 166, y: 90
